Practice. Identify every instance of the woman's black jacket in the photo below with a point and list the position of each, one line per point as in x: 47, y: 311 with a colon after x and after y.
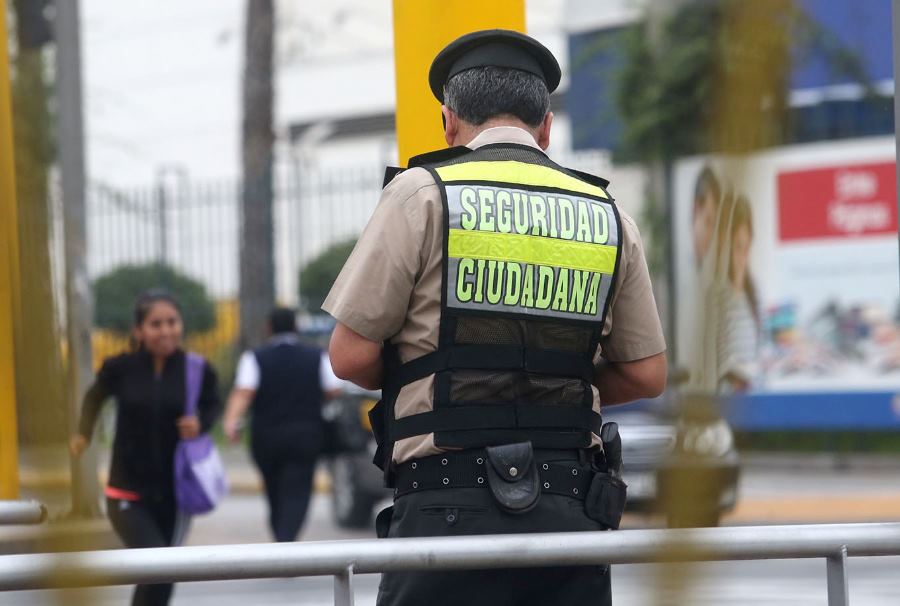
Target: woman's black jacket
x: 147, y: 409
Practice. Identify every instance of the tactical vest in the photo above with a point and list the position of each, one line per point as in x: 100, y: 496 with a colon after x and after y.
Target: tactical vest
x: 531, y: 253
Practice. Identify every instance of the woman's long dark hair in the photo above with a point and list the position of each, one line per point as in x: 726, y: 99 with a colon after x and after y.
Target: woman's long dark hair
x: 144, y: 303
x: 742, y: 216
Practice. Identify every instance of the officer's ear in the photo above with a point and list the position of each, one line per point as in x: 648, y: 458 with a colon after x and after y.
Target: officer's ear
x: 451, y: 125
x: 543, y: 133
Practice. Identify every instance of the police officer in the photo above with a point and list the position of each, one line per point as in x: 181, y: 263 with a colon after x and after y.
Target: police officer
x: 498, y: 300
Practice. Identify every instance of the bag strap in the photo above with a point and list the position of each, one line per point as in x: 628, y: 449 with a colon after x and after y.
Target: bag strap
x: 193, y: 380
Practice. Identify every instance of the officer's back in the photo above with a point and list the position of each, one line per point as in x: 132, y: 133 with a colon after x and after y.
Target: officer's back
x: 484, y: 290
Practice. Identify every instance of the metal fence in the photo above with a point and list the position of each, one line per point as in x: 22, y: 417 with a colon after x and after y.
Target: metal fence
x: 195, y: 228
x: 342, y: 559
x: 22, y: 512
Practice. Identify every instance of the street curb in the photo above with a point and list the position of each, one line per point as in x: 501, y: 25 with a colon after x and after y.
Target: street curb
x: 825, y: 461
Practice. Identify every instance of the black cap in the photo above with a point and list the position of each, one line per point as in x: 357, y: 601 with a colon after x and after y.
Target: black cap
x: 497, y: 48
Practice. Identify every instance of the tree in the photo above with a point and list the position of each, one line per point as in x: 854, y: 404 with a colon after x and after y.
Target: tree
x: 699, y: 76
x: 317, y: 276
x: 709, y: 77
x: 116, y: 292
x: 713, y: 76
x: 257, y: 257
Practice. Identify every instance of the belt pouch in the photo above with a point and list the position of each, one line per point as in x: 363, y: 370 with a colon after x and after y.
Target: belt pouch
x: 605, y: 500
x: 513, y: 477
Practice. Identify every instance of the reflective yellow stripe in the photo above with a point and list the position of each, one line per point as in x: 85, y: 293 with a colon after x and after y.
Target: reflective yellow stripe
x: 536, y: 250
x: 519, y: 173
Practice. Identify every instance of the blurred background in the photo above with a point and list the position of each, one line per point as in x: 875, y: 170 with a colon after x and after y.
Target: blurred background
x: 235, y: 163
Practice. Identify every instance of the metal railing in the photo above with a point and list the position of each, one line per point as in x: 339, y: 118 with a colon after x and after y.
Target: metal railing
x: 343, y: 559
x: 22, y: 512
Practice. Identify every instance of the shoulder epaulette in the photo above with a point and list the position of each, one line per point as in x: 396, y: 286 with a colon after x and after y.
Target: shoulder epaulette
x: 592, y: 179
x: 441, y: 155
x: 434, y: 157
x: 389, y: 173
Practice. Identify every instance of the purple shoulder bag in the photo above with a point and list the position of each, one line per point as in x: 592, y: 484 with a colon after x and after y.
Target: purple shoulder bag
x: 199, y: 474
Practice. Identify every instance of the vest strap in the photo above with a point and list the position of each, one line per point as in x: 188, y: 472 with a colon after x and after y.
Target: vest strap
x: 496, y: 416
x: 497, y: 358
x: 439, y: 156
x: 592, y: 179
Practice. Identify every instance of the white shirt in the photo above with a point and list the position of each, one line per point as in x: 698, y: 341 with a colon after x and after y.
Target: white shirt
x: 247, y: 375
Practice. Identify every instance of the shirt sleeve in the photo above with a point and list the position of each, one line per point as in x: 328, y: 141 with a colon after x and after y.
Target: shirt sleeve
x: 372, y: 292
x: 633, y: 330
x: 247, y: 374
x: 327, y: 378
x: 209, y: 406
x: 96, y: 396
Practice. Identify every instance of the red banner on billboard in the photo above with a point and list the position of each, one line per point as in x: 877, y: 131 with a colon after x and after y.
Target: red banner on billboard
x: 838, y: 202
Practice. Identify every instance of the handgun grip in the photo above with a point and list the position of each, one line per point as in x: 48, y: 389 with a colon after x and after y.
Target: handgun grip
x: 612, y: 445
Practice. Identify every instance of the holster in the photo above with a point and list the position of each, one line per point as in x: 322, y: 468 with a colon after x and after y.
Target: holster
x: 513, y: 476
x: 379, y: 432
x: 605, y: 500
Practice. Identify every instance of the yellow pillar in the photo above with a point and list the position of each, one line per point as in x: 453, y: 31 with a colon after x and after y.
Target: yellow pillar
x: 421, y: 29
x: 9, y: 280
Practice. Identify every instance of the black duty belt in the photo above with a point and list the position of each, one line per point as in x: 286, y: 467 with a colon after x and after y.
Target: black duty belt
x: 562, y: 472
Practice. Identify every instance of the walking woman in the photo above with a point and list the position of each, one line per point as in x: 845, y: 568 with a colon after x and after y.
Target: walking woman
x: 148, y: 385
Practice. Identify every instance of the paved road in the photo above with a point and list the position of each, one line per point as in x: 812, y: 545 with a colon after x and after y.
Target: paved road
x: 873, y: 581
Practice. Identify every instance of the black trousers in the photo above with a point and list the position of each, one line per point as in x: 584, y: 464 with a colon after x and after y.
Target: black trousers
x: 468, y: 511
x: 148, y: 523
x: 288, y: 478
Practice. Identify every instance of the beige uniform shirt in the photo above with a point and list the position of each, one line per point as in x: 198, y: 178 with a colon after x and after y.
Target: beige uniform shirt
x: 390, y: 288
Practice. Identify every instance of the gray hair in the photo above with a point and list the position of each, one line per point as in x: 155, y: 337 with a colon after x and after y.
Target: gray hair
x: 482, y: 93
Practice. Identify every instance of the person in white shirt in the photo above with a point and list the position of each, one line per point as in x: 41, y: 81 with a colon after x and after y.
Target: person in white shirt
x: 283, y: 384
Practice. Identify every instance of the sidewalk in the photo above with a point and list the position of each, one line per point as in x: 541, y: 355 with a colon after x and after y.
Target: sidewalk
x: 774, y: 489
x: 44, y: 475
x: 48, y: 468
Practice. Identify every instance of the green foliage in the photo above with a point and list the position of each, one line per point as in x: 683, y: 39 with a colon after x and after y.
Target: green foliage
x: 659, y: 94
x: 317, y: 276
x: 116, y: 292
x: 711, y: 76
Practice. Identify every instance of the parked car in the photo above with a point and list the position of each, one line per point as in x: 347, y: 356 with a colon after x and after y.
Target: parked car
x: 356, y: 484
x: 678, y: 460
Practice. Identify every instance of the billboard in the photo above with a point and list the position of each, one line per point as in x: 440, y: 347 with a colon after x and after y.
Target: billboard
x: 788, y: 284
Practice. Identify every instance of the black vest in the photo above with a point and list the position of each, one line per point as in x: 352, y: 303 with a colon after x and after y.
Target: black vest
x: 289, y: 397
x: 531, y: 253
